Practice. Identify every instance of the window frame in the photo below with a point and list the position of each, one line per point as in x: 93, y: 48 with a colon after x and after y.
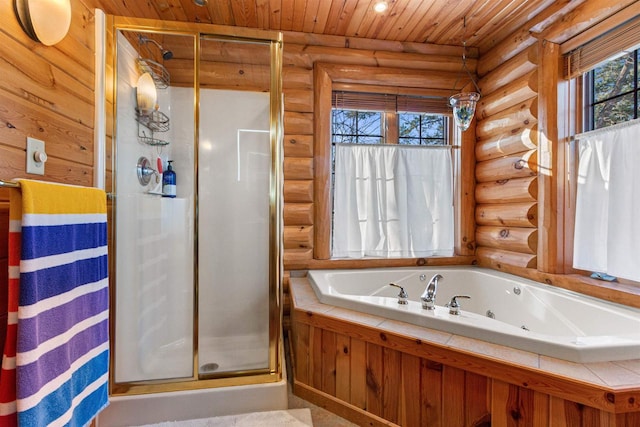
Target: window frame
x: 588, y: 100
x: 574, y: 118
x: 390, y: 135
x: 578, y: 116
x: 390, y: 125
x: 330, y: 77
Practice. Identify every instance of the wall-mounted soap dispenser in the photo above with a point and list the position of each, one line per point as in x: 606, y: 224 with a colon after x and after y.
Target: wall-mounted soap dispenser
x: 169, y: 182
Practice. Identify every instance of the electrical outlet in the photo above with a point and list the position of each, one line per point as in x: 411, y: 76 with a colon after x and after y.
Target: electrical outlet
x: 36, y: 156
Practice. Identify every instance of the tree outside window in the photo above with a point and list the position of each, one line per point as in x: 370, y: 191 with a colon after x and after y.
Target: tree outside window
x: 613, y: 92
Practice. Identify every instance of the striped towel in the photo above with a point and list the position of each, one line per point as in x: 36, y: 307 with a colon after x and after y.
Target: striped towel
x: 62, y: 346
x: 8, y: 414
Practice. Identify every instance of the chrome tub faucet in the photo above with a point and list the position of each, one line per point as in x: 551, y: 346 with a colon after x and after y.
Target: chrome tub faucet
x: 429, y: 295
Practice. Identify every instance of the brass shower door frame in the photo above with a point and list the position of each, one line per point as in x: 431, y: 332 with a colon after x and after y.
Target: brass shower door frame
x: 273, y: 372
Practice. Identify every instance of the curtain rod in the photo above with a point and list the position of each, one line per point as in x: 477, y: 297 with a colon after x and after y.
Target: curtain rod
x: 9, y: 184
x: 442, y: 147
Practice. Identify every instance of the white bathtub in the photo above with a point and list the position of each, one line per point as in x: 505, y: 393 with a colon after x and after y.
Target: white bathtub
x: 527, y: 315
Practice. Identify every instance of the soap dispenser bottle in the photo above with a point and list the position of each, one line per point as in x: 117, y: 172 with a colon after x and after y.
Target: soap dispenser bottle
x: 169, y: 182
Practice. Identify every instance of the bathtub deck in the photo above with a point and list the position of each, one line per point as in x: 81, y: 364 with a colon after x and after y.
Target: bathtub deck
x: 610, y: 387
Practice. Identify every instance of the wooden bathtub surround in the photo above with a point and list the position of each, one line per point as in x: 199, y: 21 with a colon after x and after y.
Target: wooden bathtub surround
x: 375, y: 371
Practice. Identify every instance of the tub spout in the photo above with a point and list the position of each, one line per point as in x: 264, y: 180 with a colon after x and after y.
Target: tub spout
x: 429, y: 295
x: 402, y: 296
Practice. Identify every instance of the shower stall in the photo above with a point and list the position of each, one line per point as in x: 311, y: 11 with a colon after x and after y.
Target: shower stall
x: 195, y: 268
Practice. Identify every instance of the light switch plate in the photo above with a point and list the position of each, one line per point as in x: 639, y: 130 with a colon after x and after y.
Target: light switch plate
x: 33, y: 146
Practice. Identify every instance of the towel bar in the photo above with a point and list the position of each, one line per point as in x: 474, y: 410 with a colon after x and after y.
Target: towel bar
x: 9, y: 184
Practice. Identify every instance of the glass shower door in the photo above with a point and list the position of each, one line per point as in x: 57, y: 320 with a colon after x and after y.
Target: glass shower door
x: 234, y: 182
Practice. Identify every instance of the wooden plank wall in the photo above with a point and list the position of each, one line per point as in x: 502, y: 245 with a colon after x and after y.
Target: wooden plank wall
x: 506, y: 155
x: 48, y: 93
x: 45, y: 93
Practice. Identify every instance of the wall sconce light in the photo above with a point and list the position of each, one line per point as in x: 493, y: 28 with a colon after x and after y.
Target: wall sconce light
x: 146, y: 94
x: 45, y: 21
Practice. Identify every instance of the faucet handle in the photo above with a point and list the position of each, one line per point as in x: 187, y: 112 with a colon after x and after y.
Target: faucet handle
x: 454, y: 306
x: 403, y: 296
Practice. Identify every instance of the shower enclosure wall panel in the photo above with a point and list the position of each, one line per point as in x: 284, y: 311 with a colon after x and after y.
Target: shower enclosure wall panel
x: 234, y: 177
x: 154, y: 256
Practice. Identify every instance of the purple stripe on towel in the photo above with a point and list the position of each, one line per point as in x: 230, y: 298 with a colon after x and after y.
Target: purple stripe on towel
x: 34, y: 376
x: 61, y: 318
x: 61, y: 279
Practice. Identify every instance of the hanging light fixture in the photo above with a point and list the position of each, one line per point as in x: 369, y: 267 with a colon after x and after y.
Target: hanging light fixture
x: 464, y: 103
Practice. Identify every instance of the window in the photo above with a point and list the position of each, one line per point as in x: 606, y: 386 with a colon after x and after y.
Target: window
x: 330, y: 79
x: 378, y: 118
x: 605, y: 207
x: 612, y: 92
x: 422, y: 129
x: 392, y: 192
x: 357, y: 127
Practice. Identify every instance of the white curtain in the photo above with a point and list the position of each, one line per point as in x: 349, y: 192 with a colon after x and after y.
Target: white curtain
x: 607, y: 229
x: 392, y: 201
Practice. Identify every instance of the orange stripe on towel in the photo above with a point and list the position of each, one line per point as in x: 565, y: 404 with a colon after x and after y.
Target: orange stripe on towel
x: 8, y: 414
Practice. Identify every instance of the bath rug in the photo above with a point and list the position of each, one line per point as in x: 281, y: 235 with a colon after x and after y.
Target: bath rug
x: 288, y: 418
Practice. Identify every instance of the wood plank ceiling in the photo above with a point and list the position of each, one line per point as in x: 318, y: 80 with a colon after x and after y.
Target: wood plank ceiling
x: 478, y: 23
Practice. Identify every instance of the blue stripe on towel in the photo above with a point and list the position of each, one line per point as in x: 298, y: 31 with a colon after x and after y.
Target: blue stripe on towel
x: 56, y: 404
x: 84, y: 412
x: 61, y: 279
x: 59, y: 360
x: 61, y: 318
x: 52, y: 240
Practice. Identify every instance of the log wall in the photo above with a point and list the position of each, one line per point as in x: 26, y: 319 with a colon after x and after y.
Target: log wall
x: 523, y: 212
x: 507, y: 159
x: 385, y: 62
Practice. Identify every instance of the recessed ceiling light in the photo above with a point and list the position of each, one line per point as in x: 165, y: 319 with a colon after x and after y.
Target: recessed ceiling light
x: 380, y: 6
x: 200, y: 2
